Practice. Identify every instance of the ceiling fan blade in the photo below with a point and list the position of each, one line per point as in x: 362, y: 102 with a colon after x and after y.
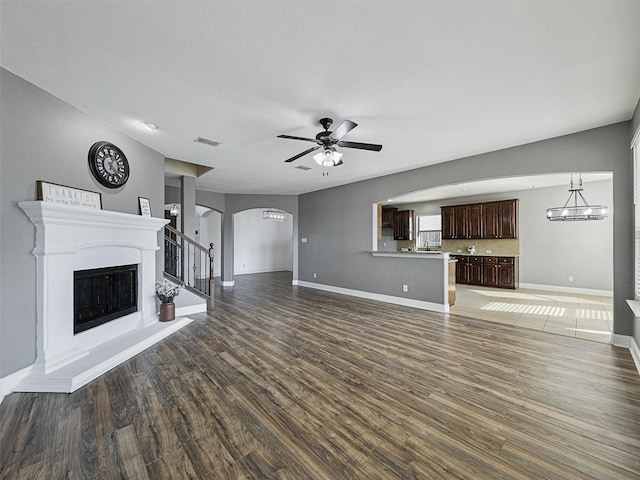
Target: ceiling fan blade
x: 302, y: 154
x: 298, y: 138
x: 361, y: 146
x: 344, y: 128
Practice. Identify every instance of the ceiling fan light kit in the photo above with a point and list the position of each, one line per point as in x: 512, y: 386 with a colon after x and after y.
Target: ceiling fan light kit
x: 327, y: 140
x: 328, y: 158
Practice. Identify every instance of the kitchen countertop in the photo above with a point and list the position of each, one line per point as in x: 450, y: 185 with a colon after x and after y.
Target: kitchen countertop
x: 408, y: 253
x: 484, y: 254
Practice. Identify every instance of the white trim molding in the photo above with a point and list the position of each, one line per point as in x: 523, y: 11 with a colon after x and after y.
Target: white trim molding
x: 228, y: 283
x: 635, y: 353
x: 407, y: 302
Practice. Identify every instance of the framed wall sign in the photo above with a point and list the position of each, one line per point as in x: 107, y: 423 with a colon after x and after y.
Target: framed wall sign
x: 145, y: 207
x: 63, y: 195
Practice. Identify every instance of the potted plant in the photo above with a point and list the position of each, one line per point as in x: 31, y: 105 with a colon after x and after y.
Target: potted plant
x: 166, y: 292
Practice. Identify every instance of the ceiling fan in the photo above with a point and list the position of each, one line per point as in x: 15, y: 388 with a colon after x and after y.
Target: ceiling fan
x: 327, y: 140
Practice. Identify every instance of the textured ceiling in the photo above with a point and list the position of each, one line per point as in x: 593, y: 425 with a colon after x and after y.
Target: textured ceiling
x: 430, y: 80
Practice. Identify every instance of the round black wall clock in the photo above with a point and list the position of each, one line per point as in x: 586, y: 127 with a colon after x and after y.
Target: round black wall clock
x: 108, y: 164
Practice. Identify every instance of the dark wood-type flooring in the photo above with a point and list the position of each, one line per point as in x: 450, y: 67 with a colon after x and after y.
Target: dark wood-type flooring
x: 292, y: 383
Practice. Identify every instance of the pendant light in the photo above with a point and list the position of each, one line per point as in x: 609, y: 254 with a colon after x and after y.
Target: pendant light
x: 573, y: 211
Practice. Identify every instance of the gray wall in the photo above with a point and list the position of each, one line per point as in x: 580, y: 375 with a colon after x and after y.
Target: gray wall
x: 340, y: 236
x: 43, y: 138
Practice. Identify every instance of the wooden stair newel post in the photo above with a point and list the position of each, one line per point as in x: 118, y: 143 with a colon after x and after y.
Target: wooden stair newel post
x: 210, y: 300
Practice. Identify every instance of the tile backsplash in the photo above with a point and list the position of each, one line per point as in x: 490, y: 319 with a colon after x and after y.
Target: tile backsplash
x: 495, y: 247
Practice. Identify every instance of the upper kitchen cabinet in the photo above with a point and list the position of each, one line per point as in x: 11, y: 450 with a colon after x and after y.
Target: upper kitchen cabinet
x: 448, y: 217
x: 387, y: 216
x: 462, y: 221
x: 481, y: 220
x: 403, y: 222
x: 500, y: 219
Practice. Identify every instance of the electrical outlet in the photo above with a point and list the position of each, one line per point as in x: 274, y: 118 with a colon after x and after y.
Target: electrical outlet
x: 384, y: 244
x: 405, y: 288
x: 315, y: 275
x: 570, y: 278
x: 458, y: 251
x: 303, y: 239
x: 488, y: 251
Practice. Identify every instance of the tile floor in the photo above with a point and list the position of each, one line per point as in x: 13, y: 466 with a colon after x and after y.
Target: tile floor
x: 574, y: 315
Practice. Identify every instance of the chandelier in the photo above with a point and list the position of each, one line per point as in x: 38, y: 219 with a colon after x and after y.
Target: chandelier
x: 278, y: 215
x: 573, y: 210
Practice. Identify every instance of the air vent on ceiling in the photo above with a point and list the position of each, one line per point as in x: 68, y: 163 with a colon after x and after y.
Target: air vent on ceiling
x: 303, y: 167
x: 206, y: 141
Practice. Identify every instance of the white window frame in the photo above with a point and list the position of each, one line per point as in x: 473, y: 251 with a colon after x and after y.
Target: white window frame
x: 428, y: 231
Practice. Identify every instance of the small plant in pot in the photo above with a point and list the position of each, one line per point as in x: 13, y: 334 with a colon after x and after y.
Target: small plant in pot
x: 166, y: 292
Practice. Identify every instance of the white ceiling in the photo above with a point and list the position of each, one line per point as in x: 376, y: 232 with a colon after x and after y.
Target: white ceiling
x: 430, y: 80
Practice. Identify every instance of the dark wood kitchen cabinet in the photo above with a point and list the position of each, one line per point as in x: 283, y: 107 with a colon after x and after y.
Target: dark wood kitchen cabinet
x: 461, y: 221
x: 480, y: 220
x: 448, y: 220
x: 462, y: 270
x: 500, y: 219
x: 461, y: 216
x: 403, y: 224
x: 469, y: 270
x: 474, y: 220
x: 501, y: 272
x: 475, y: 270
x: 387, y: 216
x: 508, y: 272
x: 490, y: 271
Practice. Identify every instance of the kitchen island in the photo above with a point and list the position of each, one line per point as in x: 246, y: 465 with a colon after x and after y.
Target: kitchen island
x: 432, y: 282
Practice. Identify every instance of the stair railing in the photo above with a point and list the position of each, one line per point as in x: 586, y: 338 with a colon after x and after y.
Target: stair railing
x: 188, y: 262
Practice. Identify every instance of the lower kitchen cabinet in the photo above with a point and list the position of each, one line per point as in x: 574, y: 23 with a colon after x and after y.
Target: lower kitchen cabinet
x: 501, y: 272
x: 475, y: 270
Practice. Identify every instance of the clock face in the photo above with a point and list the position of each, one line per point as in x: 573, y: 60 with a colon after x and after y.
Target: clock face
x: 108, y: 164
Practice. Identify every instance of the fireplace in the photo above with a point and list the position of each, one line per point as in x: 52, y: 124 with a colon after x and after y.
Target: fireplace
x: 111, y: 314
x: 103, y: 294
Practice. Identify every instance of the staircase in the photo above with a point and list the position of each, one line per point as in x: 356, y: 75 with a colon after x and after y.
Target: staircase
x: 188, y: 262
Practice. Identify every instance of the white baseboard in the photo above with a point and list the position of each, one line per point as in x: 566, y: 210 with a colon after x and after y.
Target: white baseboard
x: 407, y: 302
x: 228, y: 283
x: 295, y: 282
x: 8, y: 383
x: 556, y: 288
x: 261, y: 270
x: 627, y: 341
x: 621, y: 340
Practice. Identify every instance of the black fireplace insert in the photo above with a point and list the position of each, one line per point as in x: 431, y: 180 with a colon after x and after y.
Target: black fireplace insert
x: 103, y: 294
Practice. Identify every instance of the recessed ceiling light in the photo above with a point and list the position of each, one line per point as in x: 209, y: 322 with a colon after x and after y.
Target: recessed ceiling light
x: 150, y: 126
x: 464, y: 189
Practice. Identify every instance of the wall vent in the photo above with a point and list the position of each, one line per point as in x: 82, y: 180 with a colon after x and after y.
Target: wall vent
x: 206, y: 141
x: 303, y: 167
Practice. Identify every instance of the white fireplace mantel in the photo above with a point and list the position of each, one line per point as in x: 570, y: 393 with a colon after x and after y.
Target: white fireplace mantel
x: 72, y: 238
